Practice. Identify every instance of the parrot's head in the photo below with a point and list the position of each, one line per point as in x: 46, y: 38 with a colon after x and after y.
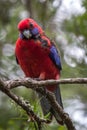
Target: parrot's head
x: 28, y: 28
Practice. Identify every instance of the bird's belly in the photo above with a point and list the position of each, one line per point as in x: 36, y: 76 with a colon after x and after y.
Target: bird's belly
x: 34, y: 60
x: 33, y: 67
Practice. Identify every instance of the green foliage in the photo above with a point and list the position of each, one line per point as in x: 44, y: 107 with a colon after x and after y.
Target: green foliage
x: 77, y: 25
x: 84, y: 4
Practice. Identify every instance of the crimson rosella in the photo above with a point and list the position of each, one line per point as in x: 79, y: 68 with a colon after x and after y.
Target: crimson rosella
x: 38, y: 57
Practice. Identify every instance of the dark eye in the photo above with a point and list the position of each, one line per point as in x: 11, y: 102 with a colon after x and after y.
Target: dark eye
x: 31, y: 26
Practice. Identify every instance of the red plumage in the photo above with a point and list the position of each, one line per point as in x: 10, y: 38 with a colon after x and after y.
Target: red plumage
x: 33, y: 57
x: 26, y: 23
x: 34, y: 60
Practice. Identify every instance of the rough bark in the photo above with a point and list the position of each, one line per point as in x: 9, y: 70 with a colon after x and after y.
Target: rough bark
x: 39, y: 86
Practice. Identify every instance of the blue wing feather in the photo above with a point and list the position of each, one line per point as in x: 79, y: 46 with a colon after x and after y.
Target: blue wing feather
x: 55, y: 57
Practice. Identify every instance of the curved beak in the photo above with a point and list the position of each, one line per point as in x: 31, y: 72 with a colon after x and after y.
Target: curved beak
x: 27, y: 34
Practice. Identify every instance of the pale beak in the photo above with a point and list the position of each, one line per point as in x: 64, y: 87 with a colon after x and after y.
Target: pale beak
x: 27, y: 34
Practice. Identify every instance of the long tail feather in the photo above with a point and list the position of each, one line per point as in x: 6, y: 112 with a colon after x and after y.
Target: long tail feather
x: 48, y: 109
x: 58, y: 96
x: 59, y: 100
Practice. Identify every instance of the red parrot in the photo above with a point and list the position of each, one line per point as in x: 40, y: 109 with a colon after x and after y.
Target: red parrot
x: 38, y: 57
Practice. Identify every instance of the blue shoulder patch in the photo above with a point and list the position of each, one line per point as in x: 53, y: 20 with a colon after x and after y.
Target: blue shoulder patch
x: 55, y: 57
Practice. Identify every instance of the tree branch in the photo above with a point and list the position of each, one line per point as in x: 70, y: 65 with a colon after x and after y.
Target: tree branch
x: 28, y: 82
x: 39, y: 86
x: 24, y: 105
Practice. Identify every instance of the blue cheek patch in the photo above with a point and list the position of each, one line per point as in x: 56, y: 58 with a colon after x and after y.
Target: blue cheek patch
x: 55, y: 57
x: 35, y: 31
x: 21, y: 36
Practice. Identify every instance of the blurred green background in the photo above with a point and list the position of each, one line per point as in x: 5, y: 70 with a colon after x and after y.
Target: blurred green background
x: 66, y: 23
